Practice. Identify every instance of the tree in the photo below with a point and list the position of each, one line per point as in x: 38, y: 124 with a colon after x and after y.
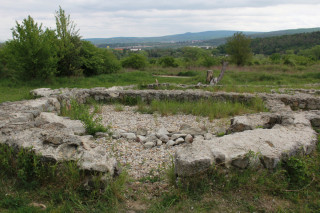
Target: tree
x: 168, y: 61
x: 238, y: 47
x: 69, y: 45
x: 135, y: 61
x: 97, y: 61
x: 31, y: 53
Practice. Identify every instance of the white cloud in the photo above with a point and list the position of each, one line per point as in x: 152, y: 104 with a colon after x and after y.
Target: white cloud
x: 97, y: 18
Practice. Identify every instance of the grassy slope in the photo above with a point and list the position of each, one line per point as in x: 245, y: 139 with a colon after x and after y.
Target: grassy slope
x: 254, y: 77
x: 17, y: 91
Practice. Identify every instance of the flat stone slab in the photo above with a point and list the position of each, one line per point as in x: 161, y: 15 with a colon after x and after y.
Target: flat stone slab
x: 268, y: 147
x: 75, y: 126
x: 28, y: 124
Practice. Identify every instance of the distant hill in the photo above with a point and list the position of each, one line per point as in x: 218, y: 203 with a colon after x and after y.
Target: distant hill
x: 285, y: 32
x: 212, y: 38
x: 169, y: 38
x: 220, y: 41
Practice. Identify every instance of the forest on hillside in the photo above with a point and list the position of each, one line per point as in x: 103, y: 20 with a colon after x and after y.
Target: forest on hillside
x: 280, y: 44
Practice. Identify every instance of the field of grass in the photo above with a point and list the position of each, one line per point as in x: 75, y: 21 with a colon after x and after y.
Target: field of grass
x: 13, y: 91
x: 260, y: 78
x: 206, y: 108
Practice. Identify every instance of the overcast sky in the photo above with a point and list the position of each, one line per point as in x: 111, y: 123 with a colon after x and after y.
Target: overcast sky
x: 114, y: 18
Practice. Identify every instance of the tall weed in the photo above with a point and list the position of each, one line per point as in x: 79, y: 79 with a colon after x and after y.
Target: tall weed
x: 91, y: 120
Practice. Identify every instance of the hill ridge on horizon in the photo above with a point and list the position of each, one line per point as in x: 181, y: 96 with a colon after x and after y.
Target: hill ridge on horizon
x: 194, y: 36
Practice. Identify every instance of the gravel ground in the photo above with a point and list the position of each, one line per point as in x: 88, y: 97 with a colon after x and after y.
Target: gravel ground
x: 139, y: 161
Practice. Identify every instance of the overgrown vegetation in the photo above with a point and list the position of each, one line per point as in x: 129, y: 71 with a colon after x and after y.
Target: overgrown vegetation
x: 238, y: 46
x: 91, y: 120
x: 209, y: 108
x: 27, y: 179
x: 37, y: 53
x: 293, y: 187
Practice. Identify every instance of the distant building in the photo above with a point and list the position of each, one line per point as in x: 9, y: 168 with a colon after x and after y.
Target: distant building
x: 135, y: 49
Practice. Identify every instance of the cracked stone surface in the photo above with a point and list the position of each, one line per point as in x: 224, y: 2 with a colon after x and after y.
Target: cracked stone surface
x: 285, y: 131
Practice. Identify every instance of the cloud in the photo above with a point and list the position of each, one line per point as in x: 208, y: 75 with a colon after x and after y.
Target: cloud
x: 97, y: 18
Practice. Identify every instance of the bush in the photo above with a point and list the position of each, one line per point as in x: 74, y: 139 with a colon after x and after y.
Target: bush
x: 188, y: 73
x: 275, y: 58
x: 209, y: 61
x: 135, y: 61
x: 168, y: 61
x: 97, y: 61
x: 29, y: 168
x: 289, y: 61
x: 66, y: 186
x: 297, y: 172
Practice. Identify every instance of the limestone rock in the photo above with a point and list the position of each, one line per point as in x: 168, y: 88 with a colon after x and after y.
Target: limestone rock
x: 179, y: 141
x: 189, y: 138
x: 162, y: 131
x: 175, y: 136
x: 208, y: 136
x: 74, y: 125
x: 141, y: 139
x: 164, y: 138
x: 142, y: 131
x: 170, y: 143
x: 116, y: 135
x: 198, y: 138
x: 101, y: 134
x: 187, y: 129
x: 152, y: 137
x: 253, y: 121
x: 271, y: 145
x: 149, y: 144
x: 129, y: 136
x: 192, y: 160
x: 159, y: 142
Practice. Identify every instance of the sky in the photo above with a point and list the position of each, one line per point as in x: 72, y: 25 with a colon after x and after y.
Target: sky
x: 144, y: 18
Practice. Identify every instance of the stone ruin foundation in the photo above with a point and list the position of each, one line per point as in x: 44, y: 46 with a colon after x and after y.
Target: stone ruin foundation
x: 254, y: 140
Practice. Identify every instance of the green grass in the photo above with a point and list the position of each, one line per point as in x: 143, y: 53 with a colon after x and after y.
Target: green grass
x: 293, y: 187
x: 207, y: 108
x: 14, y: 91
x: 237, y: 79
x: 118, y: 107
x: 26, y: 178
x: 91, y: 121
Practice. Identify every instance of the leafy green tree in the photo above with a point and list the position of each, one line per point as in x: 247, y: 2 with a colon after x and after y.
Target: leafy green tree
x: 97, y: 61
x: 92, y: 62
x: 135, y: 61
x: 31, y: 53
x: 69, y: 45
x: 313, y: 53
x: 110, y: 62
x: 2, y: 60
x: 238, y: 47
x: 275, y: 58
x: 191, y: 55
x: 208, y: 61
x: 168, y: 61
